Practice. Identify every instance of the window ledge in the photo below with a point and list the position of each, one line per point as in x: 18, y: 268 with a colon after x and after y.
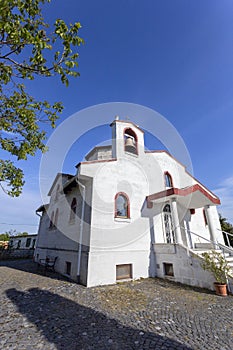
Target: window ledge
x: 122, y: 219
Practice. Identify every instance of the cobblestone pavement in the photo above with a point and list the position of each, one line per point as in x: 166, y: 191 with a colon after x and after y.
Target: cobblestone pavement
x: 45, y: 312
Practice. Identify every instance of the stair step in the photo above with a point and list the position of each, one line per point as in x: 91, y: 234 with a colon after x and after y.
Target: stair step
x: 229, y: 258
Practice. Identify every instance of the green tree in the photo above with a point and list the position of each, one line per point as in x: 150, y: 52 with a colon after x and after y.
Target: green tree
x: 22, y: 234
x: 29, y: 47
x: 4, y: 237
x: 11, y: 232
x: 226, y: 227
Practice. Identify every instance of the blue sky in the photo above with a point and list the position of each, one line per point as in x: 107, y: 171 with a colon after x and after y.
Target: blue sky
x: 175, y: 57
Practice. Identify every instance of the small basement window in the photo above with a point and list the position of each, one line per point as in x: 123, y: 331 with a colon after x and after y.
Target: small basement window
x: 168, y: 269
x: 68, y: 267
x: 123, y: 271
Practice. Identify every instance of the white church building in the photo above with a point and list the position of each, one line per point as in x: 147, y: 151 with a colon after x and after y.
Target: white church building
x: 129, y: 213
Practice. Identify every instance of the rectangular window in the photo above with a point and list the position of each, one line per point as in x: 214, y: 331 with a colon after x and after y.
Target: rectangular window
x: 168, y: 269
x: 123, y: 271
x: 33, y: 243
x: 28, y: 242
x: 68, y: 267
x: 205, y: 218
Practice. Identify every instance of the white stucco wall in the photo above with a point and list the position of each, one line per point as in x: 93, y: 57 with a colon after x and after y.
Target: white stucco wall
x: 108, y: 241
x: 119, y: 241
x: 186, y: 265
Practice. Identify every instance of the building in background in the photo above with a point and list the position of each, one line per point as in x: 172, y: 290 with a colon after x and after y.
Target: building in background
x: 23, y: 242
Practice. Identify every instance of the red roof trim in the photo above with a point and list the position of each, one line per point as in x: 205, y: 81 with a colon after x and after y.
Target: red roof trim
x: 164, y: 151
x: 181, y: 192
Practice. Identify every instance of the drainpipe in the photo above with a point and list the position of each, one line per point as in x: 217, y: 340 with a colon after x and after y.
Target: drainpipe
x: 81, y: 228
x: 37, y: 241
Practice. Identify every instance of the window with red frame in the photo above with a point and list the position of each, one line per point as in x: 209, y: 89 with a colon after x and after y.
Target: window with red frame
x: 122, y: 208
x: 168, y: 179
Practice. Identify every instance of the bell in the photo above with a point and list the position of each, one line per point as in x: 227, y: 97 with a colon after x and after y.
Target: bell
x: 130, y: 145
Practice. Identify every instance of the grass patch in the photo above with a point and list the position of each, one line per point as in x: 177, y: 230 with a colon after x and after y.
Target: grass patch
x: 121, y: 297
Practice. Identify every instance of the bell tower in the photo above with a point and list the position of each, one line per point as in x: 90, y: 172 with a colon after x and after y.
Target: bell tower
x: 131, y: 141
x: 127, y: 139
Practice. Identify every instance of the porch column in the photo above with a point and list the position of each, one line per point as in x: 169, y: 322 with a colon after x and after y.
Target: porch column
x: 213, y: 233
x: 176, y: 221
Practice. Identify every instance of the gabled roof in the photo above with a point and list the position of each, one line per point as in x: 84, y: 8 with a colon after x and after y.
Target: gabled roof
x: 198, y: 196
x: 67, y: 176
x: 42, y: 208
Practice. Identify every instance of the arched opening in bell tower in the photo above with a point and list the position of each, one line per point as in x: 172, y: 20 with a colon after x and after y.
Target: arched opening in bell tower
x: 130, y: 141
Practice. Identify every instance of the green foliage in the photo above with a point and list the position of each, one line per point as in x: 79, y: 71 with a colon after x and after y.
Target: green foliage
x: 11, y: 232
x: 226, y: 227
x: 22, y: 234
x: 4, y: 237
x: 217, y: 264
x: 29, y: 48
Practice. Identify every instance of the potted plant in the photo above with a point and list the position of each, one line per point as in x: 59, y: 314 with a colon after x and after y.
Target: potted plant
x: 216, y: 263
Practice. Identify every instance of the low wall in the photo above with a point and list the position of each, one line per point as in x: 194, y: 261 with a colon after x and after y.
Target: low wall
x: 10, y: 254
x: 186, y: 265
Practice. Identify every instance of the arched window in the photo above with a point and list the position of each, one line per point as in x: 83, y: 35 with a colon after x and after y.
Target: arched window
x: 73, y: 210
x: 168, y: 224
x: 168, y: 179
x: 56, y: 218
x: 51, y: 220
x: 122, y: 208
x: 131, y: 141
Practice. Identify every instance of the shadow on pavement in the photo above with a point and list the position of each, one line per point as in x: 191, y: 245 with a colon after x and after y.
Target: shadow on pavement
x: 28, y: 265
x: 72, y: 326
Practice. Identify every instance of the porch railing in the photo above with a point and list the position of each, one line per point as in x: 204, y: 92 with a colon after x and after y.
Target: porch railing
x: 216, y: 245
x: 227, y: 235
